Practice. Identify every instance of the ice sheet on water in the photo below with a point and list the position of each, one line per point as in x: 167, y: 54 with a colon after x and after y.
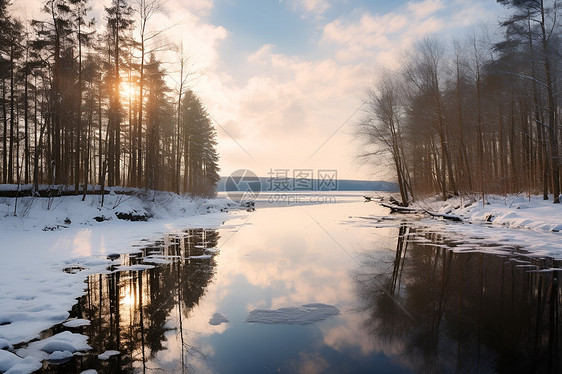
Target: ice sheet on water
x: 134, y: 267
x: 218, y: 319
x: 203, y: 257
x: 302, y: 315
x: 155, y: 260
x: 107, y: 354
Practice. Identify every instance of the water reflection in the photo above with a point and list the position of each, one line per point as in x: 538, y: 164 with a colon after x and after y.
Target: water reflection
x: 419, y: 303
x: 130, y: 310
x: 470, y: 312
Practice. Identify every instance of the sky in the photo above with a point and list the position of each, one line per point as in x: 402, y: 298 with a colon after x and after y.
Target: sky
x: 284, y: 80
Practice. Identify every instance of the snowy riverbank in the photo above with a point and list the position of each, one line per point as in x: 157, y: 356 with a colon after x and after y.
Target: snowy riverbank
x: 531, y: 223
x: 46, y: 236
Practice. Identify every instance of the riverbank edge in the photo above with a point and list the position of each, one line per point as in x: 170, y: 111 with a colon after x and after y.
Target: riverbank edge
x: 529, y: 223
x: 507, y: 211
x: 47, y: 235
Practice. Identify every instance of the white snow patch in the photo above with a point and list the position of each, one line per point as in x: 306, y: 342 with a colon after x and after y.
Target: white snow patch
x: 303, y: 315
x: 4, y: 344
x: 107, y: 354
x: 11, y: 363
x: 64, y: 341
x: 60, y: 356
x: 200, y: 257
x: 139, y: 267
x: 154, y: 260
x: 218, y: 319
x: 76, y: 322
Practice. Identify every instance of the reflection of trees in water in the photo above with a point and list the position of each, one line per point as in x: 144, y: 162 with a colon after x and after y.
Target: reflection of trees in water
x: 128, y: 310
x: 470, y: 312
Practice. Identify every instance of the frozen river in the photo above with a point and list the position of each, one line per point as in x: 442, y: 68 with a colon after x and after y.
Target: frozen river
x: 332, y: 286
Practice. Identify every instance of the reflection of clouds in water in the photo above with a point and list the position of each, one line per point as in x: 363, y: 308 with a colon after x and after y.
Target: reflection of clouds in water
x: 309, y: 363
x: 82, y: 245
x: 282, y: 258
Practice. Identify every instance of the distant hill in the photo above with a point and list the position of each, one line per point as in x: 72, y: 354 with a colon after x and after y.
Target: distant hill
x: 291, y: 184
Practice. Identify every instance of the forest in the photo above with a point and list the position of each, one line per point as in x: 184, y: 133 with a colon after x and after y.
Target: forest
x: 476, y: 116
x: 88, y: 103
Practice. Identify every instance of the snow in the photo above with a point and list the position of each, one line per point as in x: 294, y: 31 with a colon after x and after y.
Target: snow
x: 532, y: 224
x: 302, y: 315
x: 42, y: 273
x: 76, y: 322
x: 107, y: 354
x: 58, y: 347
x: 11, y: 363
x: 60, y: 356
x: 203, y: 257
x: 138, y: 267
x: 4, y: 344
x: 218, y: 319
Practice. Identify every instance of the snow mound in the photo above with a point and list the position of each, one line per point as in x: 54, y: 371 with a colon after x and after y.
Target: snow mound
x: 76, y: 322
x: 11, y: 363
x: 303, y: 315
x: 4, y: 344
x: 54, y: 347
x: 218, y: 319
x: 59, y: 356
x: 107, y: 354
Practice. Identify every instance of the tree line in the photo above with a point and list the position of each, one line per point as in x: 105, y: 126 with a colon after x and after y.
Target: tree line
x: 477, y: 116
x: 85, y: 103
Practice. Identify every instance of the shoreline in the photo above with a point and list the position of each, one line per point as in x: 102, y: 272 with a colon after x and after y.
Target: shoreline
x: 532, y: 225
x: 36, y: 293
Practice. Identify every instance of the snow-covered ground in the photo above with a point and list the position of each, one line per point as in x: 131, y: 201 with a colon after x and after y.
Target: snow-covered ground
x: 533, y: 224
x: 45, y: 236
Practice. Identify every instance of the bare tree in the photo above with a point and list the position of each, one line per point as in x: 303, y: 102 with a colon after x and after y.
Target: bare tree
x: 382, y: 129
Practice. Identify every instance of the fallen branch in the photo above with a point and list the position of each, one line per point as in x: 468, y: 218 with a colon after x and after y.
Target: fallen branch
x: 450, y: 217
x: 401, y: 209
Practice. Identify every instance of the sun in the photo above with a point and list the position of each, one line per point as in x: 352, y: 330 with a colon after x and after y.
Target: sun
x: 127, y: 89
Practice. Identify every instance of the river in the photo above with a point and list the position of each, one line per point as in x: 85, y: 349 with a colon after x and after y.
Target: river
x: 332, y: 286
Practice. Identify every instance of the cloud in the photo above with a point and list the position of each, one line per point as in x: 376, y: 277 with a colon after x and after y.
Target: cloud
x: 314, y: 8
x: 376, y: 37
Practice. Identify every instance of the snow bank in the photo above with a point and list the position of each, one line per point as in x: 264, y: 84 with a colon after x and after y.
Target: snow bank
x: 533, y: 224
x: 303, y: 315
x: 59, y: 213
x: 42, y: 272
x: 508, y: 211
